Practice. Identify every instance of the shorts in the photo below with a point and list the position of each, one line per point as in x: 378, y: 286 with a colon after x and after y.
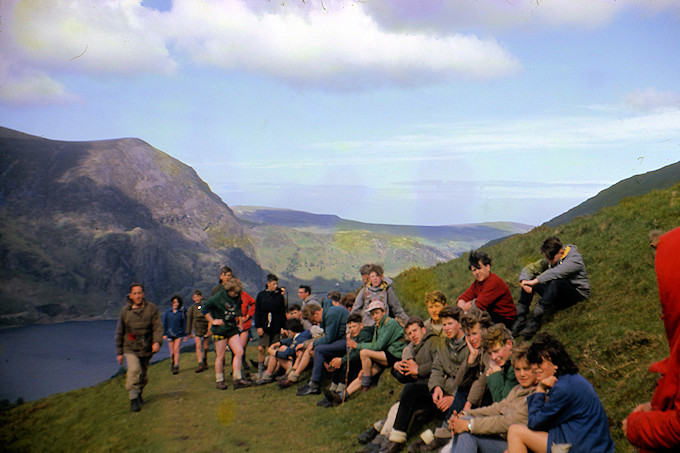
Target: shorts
x: 391, y: 360
x: 267, y: 339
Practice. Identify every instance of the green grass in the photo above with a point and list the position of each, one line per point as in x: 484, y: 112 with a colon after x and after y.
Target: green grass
x: 186, y: 412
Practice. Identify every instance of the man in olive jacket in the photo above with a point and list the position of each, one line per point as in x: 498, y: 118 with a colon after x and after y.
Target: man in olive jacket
x: 138, y: 337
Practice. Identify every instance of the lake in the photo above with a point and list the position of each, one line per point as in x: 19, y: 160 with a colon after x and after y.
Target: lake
x: 40, y: 360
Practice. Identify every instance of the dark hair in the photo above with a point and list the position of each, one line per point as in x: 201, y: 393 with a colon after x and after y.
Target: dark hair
x: 179, y: 299
x: 477, y: 257
x: 272, y: 278
x: 473, y: 317
x: 547, y: 347
x: 335, y: 296
x: 198, y: 293
x: 355, y: 316
x: 294, y: 307
x: 132, y: 285
x: 377, y: 269
x: 435, y: 297
x: 294, y: 325
x: 347, y: 300
x: 365, y: 269
x: 414, y: 320
x: 550, y: 247
x: 451, y: 311
x: 225, y: 269
x: 309, y: 309
x: 307, y: 288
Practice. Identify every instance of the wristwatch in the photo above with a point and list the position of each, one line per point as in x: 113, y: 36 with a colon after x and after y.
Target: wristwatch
x: 470, y: 426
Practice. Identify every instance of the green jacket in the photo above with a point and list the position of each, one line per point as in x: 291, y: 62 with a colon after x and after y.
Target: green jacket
x: 138, y: 329
x: 365, y: 335
x: 222, y: 306
x: 388, y: 336
x: 501, y: 382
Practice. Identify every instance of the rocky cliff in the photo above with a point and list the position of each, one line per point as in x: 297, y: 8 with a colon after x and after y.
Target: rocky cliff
x: 80, y: 221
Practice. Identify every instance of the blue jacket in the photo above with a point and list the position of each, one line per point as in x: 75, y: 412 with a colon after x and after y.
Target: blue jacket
x: 571, y: 413
x: 174, y: 324
x: 333, y: 323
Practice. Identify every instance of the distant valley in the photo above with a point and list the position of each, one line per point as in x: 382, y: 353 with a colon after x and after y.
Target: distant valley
x: 308, y: 246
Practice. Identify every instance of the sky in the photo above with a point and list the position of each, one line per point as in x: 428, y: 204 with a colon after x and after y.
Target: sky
x: 421, y: 112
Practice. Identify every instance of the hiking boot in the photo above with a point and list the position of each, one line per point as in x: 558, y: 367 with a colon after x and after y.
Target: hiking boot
x: 241, y: 384
x: 200, y: 368
x: 222, y: 385
x: 135, y: 405
x: 416, y: 446
x: 285, y: 383
x: 266, y: 379
x: 175, y: 369
x: 323, y: 402
x: 367, y: 435
x: 532, y: 326
x: 308, y: 390
x: 518, y: 325
x: 334, y: 397
x: 392, y: 447
x: 435, y: 445
x: 371, y: 448
x: 205, y: 365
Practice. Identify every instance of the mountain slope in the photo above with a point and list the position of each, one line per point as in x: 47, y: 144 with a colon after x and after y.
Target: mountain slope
x: 662, y: 178
x: 81, y: 220
x: 306, y: 246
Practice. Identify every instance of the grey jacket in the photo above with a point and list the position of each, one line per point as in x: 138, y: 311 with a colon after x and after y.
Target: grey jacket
x: 450, y: 355
x: 571, y: 267
x: 423, y: 354
x: 384, y: 293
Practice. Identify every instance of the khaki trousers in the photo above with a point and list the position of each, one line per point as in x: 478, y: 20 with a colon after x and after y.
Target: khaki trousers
x: 136, y: 374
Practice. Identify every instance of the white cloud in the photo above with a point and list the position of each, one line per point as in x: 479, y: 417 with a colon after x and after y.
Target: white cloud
x: 26, y: 86
x: 651, y: 99
x: 338, y: 48
x: 106, y: 36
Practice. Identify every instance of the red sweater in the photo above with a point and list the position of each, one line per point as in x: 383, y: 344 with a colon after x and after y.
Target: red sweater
x: 659, y: 429
x: 492, y: 295
x: 247, y: 310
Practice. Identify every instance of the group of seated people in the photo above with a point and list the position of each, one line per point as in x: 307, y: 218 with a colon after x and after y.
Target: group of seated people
x: 464, y: 368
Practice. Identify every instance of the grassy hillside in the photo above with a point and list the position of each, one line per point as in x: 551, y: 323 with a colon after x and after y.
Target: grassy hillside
x: 615, y: 334
x: 660, y: 179
x: 613, y: 337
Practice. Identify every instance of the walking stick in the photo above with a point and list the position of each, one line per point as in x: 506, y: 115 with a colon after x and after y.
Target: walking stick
x: 346, y: 366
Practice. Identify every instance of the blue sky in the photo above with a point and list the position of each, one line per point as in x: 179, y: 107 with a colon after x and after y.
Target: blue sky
x: 402, y: 111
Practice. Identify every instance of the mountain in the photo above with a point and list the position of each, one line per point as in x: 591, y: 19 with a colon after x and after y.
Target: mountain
x: 80, y: 221
x: 662, y: 178
x: 306, y: 246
